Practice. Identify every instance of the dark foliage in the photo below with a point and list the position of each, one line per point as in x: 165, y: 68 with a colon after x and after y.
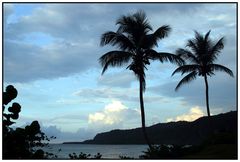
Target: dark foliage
x: 169, y: 152
x: 125, y: 157
x: 21, y: 143
x: 216, y: 146
x: 84, y: 156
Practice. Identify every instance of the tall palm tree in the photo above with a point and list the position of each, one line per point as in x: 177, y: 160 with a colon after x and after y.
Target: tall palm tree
x: 135, y: 45
x: 201, y: 53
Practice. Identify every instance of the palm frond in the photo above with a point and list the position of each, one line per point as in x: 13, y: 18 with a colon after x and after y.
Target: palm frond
x: 186, y: 69
x: 126, y: 23
x: 116, y: 39
x: 217, y: 67
x: 114, y: 58
x: 207, y: 35
x: 187, y: 55
x: 204, y: 50
x: 198, y: 37
x: 162, y: 32
x: 134, y: 25
x: 207, y: 43
x: 191, y: 76
x: 140, y: 16
x: 191, y: 43
x: 151, y: 40
x: 142, y: 21
x: 215, y: 50
x: 165, y: 57
x: 201, y: 45
x: 217, y: 47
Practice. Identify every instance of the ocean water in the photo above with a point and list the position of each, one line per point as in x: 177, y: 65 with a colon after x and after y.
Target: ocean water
x: 107, y: 151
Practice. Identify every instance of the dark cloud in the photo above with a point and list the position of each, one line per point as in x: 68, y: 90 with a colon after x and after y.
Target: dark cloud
x: 75, y: 30
x: 66, y: 21
x: 24, y: 62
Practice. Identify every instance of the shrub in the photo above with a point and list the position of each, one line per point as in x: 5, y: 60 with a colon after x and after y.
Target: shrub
x: 21, y: 143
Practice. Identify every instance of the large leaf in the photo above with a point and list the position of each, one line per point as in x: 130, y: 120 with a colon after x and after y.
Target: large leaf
x: 217, y: 67
x: 117, y: 39
x: 164, y: 57
x: 114, y: 58
x: 186, y: 69
x: 191, y: 76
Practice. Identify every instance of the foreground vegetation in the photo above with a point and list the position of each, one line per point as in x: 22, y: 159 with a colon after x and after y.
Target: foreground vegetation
x: 218, y: 146
x: 21, y: 143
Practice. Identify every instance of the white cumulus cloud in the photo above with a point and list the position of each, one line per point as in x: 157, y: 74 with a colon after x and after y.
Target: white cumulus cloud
x: 114, y: 113
x: 194, y: 113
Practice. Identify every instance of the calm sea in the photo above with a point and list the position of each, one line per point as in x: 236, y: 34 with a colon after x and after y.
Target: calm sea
x: 107, y: 151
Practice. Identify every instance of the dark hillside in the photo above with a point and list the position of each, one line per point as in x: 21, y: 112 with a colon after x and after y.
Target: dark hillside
x: 180, y: 133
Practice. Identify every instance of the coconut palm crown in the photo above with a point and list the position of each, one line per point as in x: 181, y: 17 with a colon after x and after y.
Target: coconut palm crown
x: 200, y: 54
x: 135, y: 50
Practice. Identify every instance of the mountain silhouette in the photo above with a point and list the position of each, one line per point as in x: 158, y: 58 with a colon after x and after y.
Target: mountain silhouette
x: 176, y: 133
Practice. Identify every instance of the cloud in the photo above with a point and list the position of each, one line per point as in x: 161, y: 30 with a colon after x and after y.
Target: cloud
x: 106, y: 93
x: 53, y: 129
x: 98, y: 94
x: 8, y: 10
x: 56, y: 44
x: 71, y: 33
x: 121, y: 79
x: 26, y: 62
x: 193, y: 114
x: 113, y: 114
x: 75, y: 126
x: 70, y: 22
x: 62, y: 136
x: 69, y: 127
x: 222, y: 92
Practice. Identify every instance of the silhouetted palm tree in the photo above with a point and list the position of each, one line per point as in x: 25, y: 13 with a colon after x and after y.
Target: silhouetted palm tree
x: 202, y: 52
x: 135, y: 45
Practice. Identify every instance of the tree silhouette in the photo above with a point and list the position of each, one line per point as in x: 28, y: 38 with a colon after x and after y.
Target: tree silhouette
x: 201, y: 54
x: 21, y: 143
x: 135, y: 46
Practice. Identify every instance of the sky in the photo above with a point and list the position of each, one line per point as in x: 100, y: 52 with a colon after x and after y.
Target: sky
x: 51, y: 53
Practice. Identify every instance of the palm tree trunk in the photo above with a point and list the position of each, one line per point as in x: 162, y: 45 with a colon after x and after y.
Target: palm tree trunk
x: 143, y: 115
x: 207, y: 98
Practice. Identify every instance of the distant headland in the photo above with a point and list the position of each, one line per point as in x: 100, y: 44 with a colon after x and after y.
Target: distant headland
x: 177, y: 133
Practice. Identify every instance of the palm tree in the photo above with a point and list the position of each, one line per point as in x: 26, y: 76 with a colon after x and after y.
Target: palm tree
x: 135, y: 45
x: 201, y: 54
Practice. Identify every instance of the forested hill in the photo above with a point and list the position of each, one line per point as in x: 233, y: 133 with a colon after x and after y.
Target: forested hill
x: 181, y: 132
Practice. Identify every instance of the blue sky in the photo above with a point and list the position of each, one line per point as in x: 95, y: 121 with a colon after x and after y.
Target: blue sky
x: 51, y: 56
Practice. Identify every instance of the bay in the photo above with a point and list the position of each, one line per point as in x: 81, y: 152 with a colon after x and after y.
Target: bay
x: 107, y: 151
